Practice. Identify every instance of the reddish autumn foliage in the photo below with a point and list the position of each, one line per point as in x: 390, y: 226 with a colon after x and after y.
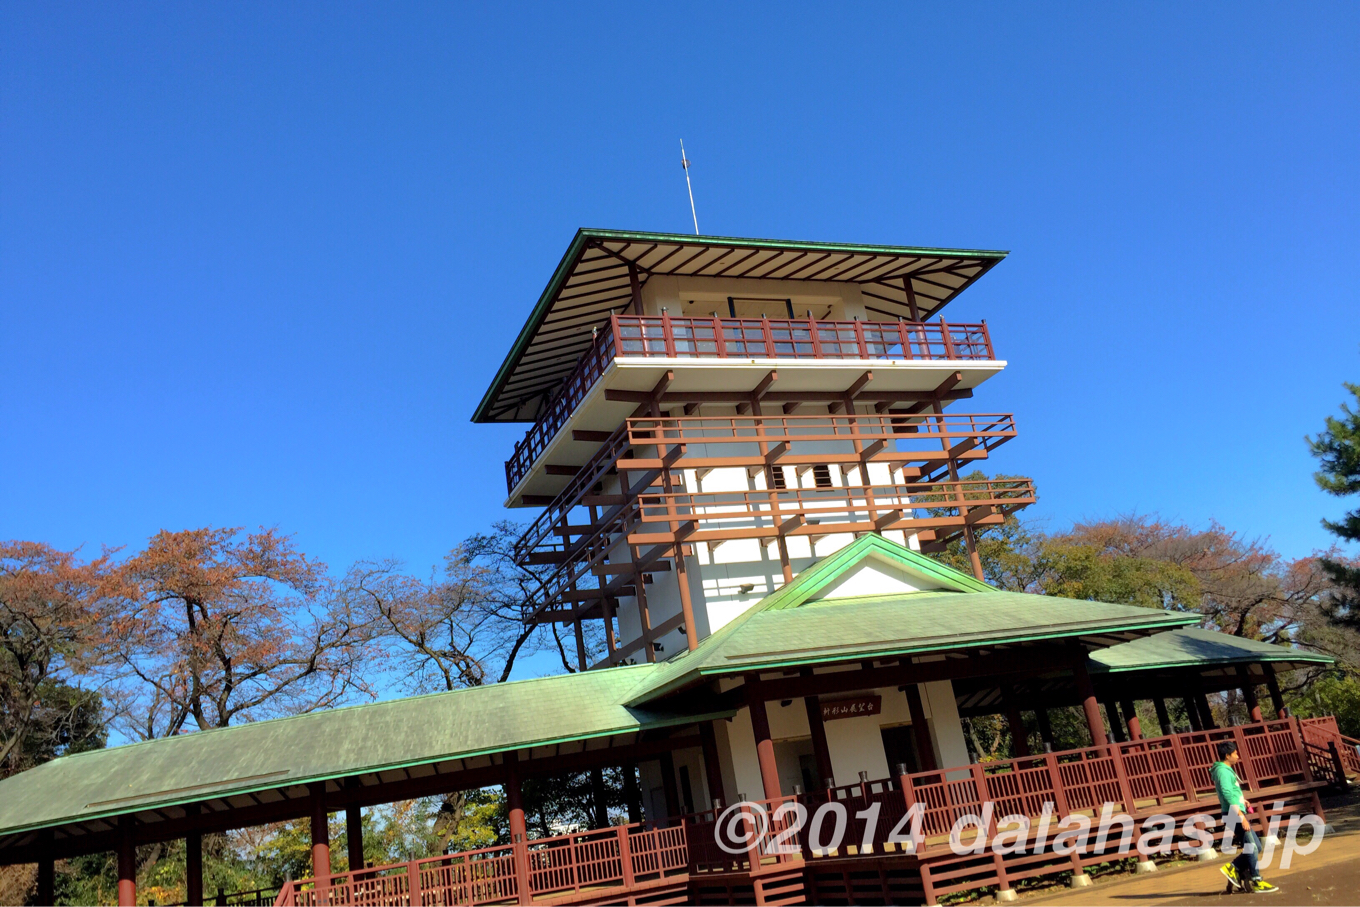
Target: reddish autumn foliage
x: 53, y: 624
x: 222, y: 626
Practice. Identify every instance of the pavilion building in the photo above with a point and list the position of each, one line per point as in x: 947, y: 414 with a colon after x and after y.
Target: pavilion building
x: 744, y: 454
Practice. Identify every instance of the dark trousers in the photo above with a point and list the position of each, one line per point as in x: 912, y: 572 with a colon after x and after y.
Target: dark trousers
x: 1250, y: 844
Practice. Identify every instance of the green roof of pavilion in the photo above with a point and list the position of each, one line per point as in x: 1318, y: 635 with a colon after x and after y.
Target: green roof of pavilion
x: 286, y: 752
x: 791, y: 627
x: 1194, y: 647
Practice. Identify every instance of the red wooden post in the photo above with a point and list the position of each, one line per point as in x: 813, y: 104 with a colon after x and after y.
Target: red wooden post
x: 413, y: 889
x: 920, y: 730
x: 321, y: 841
x: 1301, y: 750
x: 625, y: 855
x: 668, y: 334
x: 1249, y: 692
x: 1019, y: 735
x: 987, y: 338
x: 760, y: 727
x: 1121, y: 776
x: 1183, y: 766
x: 949, y: 352
x: 1060, y: 801
x: 1273, y: 685
x: 708, y: 742
x: 673, y: 805
x: 768, y: 335
x: 998, y: 863
x: 1131, y: 718
x: 718, y: 339
x: 514, y: 802
x: 193, y: 869
x: 859, y: 338
x: 816, y: 341
x: 821, y: 751
x: 47, y: 869
x: 354, y: 837
x: 906, y: 339
x: 1088, y: 697
x: 127, y: 863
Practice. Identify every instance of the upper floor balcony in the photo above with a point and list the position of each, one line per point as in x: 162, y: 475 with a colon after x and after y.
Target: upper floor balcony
x: 715, y: 358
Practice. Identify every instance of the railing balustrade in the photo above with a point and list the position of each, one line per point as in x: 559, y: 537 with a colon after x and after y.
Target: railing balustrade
x: 1140, y: 776
x: 714, y: 441
x: 761, y: 514
x: 554, y: 866
x: 742, y: 338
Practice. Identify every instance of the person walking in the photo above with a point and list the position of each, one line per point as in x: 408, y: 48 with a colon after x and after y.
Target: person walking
x: 1242, y: 873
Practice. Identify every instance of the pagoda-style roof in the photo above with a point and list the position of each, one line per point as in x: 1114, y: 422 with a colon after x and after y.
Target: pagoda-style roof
x: 594, y: 280
x: 799, y: 625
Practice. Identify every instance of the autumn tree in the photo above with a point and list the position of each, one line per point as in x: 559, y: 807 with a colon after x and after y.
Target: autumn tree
x: 1338, y: 451
x: 223, y: 626
x: 53, y: 610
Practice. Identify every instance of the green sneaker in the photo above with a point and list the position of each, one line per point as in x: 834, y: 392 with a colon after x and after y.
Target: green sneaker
x: 1230, y: 873
x: 1261, y: 886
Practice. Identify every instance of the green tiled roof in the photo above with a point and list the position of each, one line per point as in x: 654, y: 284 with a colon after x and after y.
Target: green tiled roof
x: 790, y: 627
x: 331, y: 744
x: 1193, y: 646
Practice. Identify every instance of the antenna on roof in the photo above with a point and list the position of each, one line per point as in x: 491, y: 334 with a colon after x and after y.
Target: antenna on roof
x: 684, y: 162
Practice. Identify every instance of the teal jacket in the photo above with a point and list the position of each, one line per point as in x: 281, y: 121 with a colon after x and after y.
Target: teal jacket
x: 1228, y: 788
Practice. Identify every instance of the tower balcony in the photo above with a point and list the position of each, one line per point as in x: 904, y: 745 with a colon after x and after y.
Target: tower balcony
x: 596, y: 568
x: 637, y: 358
x: 785, y: 448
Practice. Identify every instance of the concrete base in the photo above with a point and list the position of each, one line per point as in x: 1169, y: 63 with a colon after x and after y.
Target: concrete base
x: 1270, y: 841
x: 1328, y: 829
x: 1145, y: 866
x: 1207, y: 855
x: 1007, y: 894
x: 1079, y: 880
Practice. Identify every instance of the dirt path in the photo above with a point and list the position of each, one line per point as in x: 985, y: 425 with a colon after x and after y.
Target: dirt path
x: 1329, y: 875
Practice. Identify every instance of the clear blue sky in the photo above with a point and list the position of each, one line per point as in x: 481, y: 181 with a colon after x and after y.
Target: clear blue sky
x: 259, y: 261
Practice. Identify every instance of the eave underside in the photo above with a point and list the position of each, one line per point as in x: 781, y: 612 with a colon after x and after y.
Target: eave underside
x: 596, y: 278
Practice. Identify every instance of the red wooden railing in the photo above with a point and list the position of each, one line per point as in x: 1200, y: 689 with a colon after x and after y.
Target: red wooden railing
x: 742, y: 338
x: 1139, y: 777
x: 1330, y: 751
x: 622, y: 855
x: 715, y: 441
x: 759, y: 514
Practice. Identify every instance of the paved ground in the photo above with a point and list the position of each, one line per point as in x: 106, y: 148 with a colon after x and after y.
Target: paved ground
x: 1329, y: 875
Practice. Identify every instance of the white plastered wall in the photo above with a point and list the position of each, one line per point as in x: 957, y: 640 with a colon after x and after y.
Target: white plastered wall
x: 856, y: 744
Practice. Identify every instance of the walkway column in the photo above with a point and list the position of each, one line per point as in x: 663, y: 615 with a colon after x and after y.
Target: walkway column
x: 1273, y: 685
x: 630, y: 793
x: 820, y: 749
x: 321, y: 833
x: 1163, y: 719
x: 47, y: 871
x: 354, y: 835
x: 193, y: 864
x: 1087, y: 694
x: 1249, y: 693
x: 760, y: 727
x: 127, y: 863
x: 673, y: 807
x: 920, y: 730
x: 1192, y: 712
x: 1019, y: 735
x: 1206, y: 714
x: 519, y: 833
x: 1131, y: 719
x: 708, y: 741
x: 599, y: 807
x: 1045, y: 726
x: 1116, y: 725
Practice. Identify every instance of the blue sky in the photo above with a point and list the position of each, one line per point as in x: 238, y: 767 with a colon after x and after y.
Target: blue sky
x: 259, y: 261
